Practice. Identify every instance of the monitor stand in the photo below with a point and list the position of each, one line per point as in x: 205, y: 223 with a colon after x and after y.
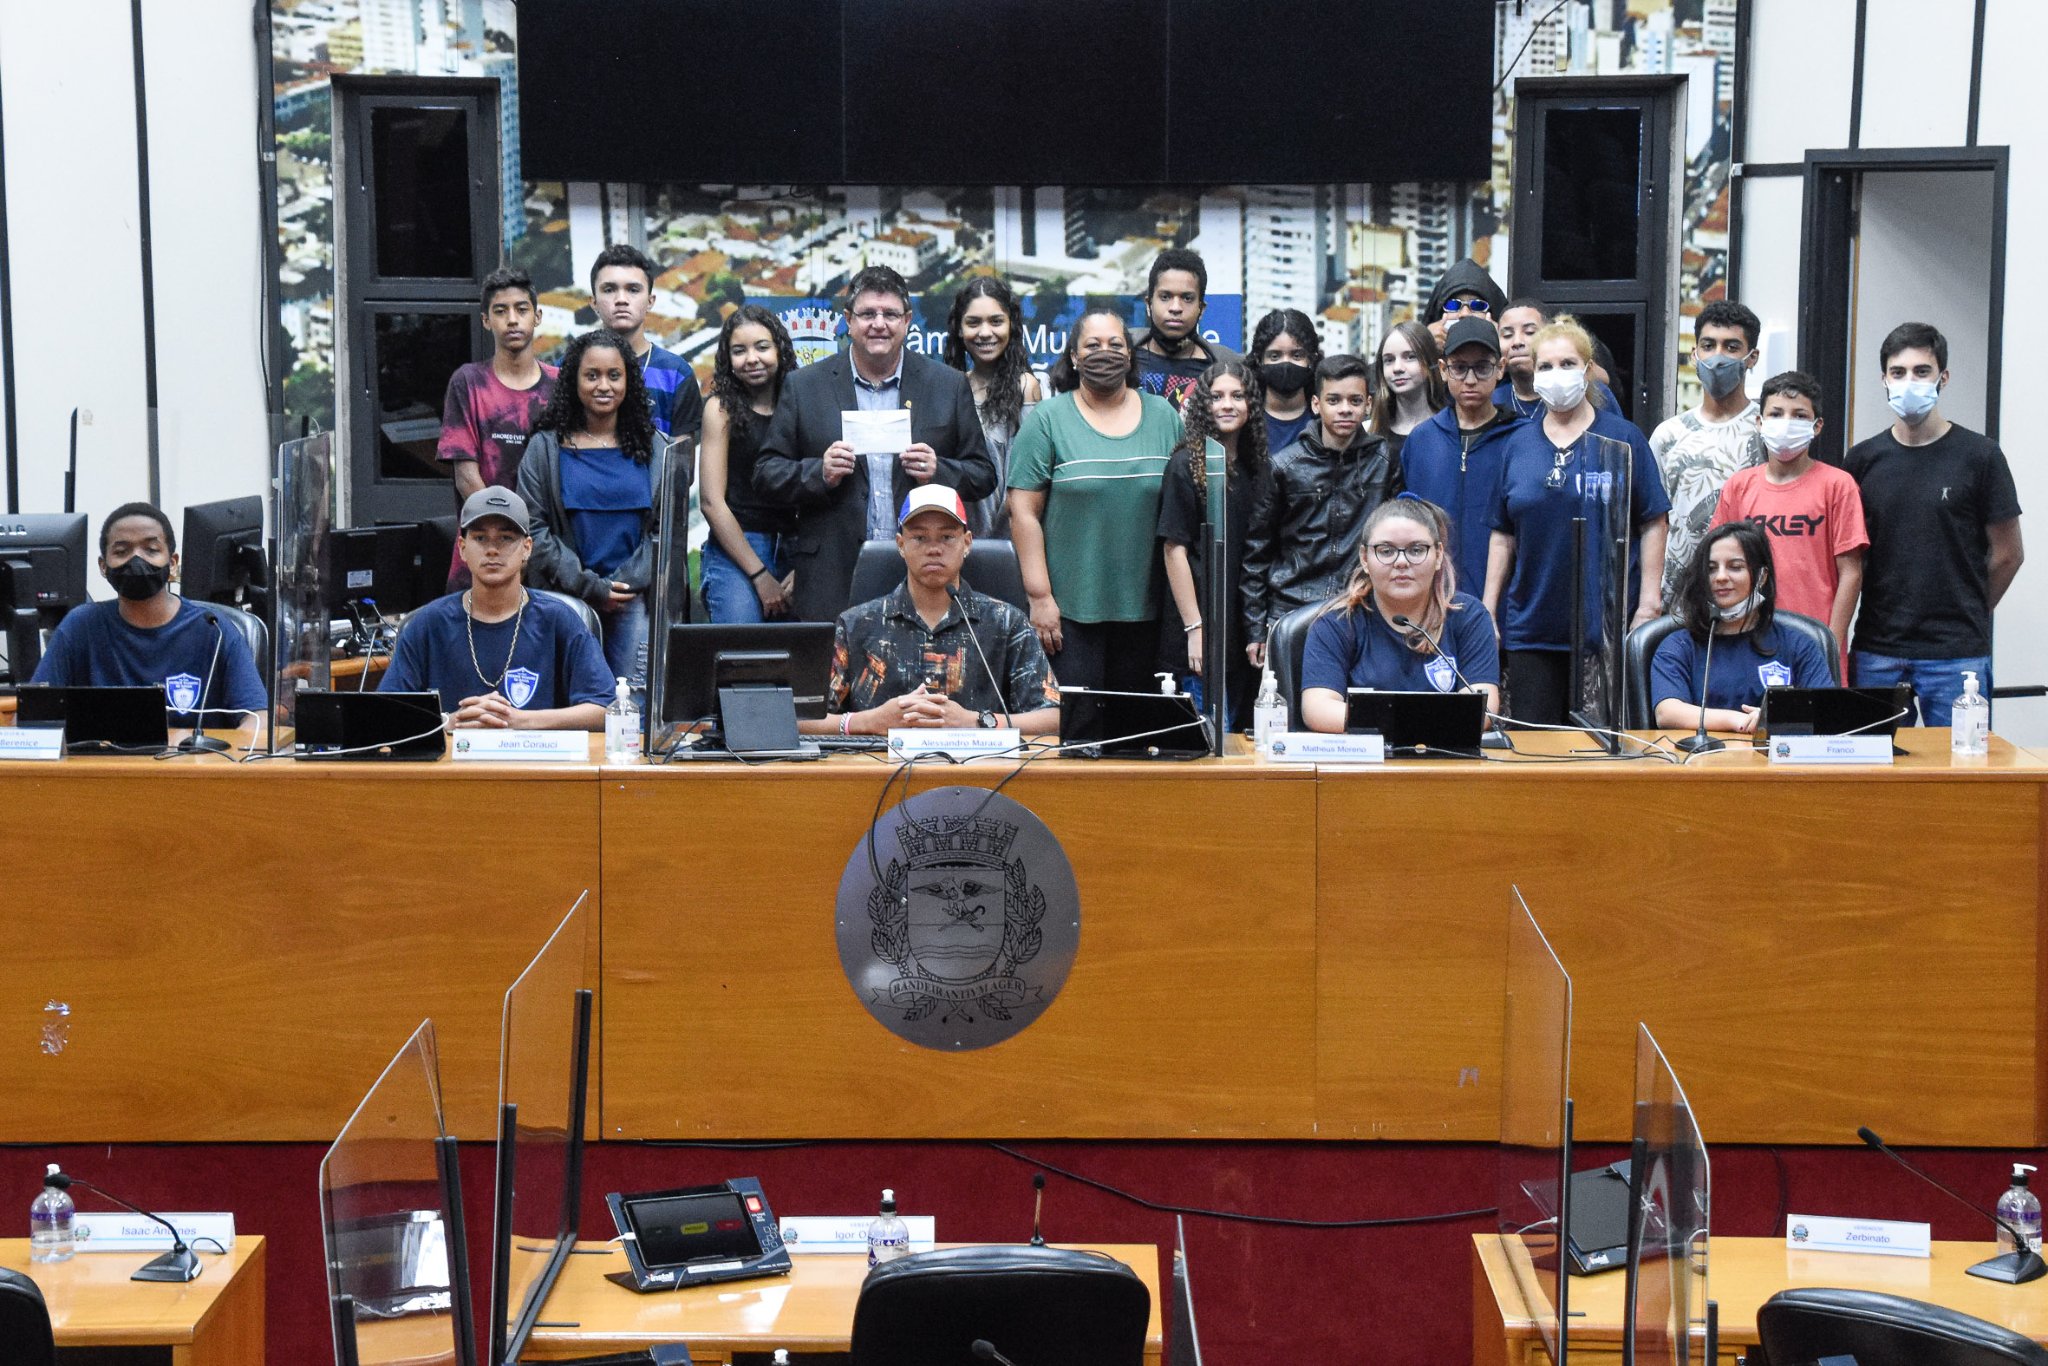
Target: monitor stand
x: 757, y: 719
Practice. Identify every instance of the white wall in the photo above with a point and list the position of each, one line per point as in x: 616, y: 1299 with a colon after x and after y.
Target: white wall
x: 72, y: 229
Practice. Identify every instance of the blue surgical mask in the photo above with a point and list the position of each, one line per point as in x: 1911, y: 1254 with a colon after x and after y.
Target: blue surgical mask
x: 1720, y: 376
x: 1914, y: 399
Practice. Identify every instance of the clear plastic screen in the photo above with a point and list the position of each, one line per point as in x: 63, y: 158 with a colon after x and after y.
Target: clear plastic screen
x: 1667, y: 1263
x: 669, y: 599
x: 383, y: 1219
x: 302, y: 514
x: 537, y: 1059
x: 1535, y: 1076
x: 1605, y: 486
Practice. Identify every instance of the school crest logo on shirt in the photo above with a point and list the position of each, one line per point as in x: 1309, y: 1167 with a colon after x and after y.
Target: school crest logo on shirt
x: 182, y: 691
x: 1774, y: 673
x: 1442, y: 672
x: 966, y: 934
x: 520, y: 685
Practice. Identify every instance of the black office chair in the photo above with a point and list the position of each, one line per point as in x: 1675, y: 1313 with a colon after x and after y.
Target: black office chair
x: 1035, y: 1304
x: 585, y: 613
x: 249, y: 627
x: 991, y: 568
x: 1285, y: 641
x: 1801, y: 1327
x: 25, y: 1338
x: 1641, y: 648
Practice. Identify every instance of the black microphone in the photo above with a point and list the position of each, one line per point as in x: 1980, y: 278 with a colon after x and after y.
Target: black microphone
x: 986, y: 1350
x: 953, y: 592
x: 199, y: 741
x: 1037, y: 1208
x: 1487, y: 741
x: 180, y: 1264
x: 2014, y: 1268
x: 1700, y: 742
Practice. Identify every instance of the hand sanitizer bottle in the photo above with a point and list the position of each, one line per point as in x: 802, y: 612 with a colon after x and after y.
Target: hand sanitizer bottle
x: 622, y: 739
x: 1269, y: 714
x: 1969, y: 729
x: 2021, y: 1208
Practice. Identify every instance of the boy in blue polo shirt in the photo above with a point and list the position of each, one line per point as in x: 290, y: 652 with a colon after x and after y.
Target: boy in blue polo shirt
x: 498, y: 655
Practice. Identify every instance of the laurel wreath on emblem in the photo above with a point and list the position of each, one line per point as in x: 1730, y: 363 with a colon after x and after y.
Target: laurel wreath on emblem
x: 889, y: 917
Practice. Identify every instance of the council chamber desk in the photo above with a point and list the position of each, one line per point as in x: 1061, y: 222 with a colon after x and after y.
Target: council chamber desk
x: 216, y: 1320
x: 1267, y: 951
x: 1741, y: 1274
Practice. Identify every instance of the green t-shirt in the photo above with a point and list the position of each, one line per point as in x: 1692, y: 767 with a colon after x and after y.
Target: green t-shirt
x: 1101, y: 505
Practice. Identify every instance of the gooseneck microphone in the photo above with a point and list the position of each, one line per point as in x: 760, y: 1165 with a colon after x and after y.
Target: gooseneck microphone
x: 986, y: 1350
x: 2013, y: 1268
x: 199, y: 741
x: 180, y: 1264
x: 1406, y: 623
x: 1037, y: 1209
x: 1699, y: 742
x: 953, y: 592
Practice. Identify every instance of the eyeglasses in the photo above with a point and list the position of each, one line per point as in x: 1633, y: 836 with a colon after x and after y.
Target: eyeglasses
x: 1467, y: 306
x: 880, y: 315
x: 1386, y: 552
x: 1484, y: 370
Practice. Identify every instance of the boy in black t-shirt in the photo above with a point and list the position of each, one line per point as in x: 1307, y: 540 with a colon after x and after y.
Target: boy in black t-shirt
x: 1944, y: 523
x: 1172, y: 353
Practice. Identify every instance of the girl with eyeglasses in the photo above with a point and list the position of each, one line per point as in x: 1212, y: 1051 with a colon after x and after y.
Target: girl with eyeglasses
x: 1401, y: 625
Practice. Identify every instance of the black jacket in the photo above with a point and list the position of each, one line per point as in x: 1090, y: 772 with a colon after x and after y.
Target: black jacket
x: 832, y: 522
x: 1463, y: 275
x: 1308, y: 514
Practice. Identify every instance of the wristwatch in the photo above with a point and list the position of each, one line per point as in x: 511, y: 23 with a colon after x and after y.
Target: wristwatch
x: 987, y: 720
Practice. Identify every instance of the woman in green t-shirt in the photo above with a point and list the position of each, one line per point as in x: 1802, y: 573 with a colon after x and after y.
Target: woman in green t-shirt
x: 1085, y: 476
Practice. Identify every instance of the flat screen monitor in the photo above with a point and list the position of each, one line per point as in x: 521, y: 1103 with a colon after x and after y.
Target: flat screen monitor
x: 1669, y: 1319
x: 693, y: 663
x: 132, y: 720
x: 42, y: 576
x: 220, y: 556
x: 1535, y: 1123
x: 543, y: 1086
x: 372, y: 565
x: 1104, y: 724
x: 695, y: 1224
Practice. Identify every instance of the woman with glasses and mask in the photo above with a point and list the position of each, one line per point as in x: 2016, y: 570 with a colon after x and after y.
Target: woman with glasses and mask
x: 1085, y: 480
x: 1729, y: 590
x: 1286, y: 350
x: 1543, y: 487
x: 1401, y: 625
x: 1454, y: 459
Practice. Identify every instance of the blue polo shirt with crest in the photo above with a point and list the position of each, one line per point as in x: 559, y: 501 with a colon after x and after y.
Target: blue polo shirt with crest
x: 96, y: 647
x: 554, y: 662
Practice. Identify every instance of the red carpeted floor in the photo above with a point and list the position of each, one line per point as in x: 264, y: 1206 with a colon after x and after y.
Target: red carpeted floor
x: 1263, y: 1293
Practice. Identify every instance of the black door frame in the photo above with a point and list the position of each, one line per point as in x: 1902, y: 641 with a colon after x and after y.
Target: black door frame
x: 1658, y: 226
x: 1828, y: 224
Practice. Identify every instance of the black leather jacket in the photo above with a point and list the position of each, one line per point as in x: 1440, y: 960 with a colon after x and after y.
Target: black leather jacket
x: 1308, y: 514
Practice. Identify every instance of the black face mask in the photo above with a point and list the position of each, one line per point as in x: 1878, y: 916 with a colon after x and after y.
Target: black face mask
x: 1284, y: 376
x: 137, y: 580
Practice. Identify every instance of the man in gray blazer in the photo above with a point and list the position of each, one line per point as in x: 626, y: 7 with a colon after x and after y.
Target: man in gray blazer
x: 843, y: 499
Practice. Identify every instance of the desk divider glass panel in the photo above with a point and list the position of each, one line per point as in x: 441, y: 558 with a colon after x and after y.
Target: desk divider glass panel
x: 669, y: 600
x: 302, y: 515
x: 1670, y: 1319
x: 1535, y: 1124
x: 1602, y: 482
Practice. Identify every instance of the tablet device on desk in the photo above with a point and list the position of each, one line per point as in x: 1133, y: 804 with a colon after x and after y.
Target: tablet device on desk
x: 116, y: 719
x: 1420, y: 725
x: 369, y: 725
x: 698, y: 1234
x: 1834, y: 711
x: 1098, y: 724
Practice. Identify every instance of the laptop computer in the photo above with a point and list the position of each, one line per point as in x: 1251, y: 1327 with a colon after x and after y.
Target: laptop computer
x: 113, y: 719
x: 369, y: 725
x: 1420, y: 725
x: 1835, y: 711
x: 1097, y: 724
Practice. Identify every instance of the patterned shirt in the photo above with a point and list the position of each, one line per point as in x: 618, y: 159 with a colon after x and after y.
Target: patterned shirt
x: 883, y: 650
x: 485, y: 421
x: 1696, y: 457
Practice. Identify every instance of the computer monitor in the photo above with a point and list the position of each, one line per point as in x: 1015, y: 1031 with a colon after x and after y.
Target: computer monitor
x: 372, y: 564
x: 42, y: 576
x: 717, y: 668
x: 1419, y: 725
x: 221, y: 555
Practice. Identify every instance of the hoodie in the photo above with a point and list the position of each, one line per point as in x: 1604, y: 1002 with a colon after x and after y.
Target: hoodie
x: 1466, y: 274
x: 1436, y: 464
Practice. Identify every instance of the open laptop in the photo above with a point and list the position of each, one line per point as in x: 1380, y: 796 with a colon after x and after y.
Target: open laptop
x: 1835, y: 711
x: 1420, y: 725
x: 368, y: 725
x: 118, y: 720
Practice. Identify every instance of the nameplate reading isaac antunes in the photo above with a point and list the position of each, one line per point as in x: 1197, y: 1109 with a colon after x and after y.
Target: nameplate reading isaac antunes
x: 958, y: 919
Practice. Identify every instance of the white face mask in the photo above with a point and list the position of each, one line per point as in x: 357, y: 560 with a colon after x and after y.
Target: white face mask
x: 1914, y: 399
x: 1743, y: 608
x: 1561, y: 390
x: 1787, y: 435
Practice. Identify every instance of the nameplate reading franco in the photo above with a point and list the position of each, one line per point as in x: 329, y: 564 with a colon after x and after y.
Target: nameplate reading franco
x: 40, y: 743
x: 1313, y: 747
x: 523, y: 746
x: 849, y: 1233
x: 1831, y: 749
x: 1877, y: 1237
x: 955, y: 742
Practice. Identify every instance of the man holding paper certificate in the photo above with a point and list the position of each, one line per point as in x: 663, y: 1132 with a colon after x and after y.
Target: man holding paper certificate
x: 855, y: 433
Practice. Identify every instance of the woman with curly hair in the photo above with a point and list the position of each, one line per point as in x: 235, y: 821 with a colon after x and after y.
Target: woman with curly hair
x: 588, y: 479
x: 744, y: 574
x: 985, y: 337
x: 1221, y: 435
x: 1287, y: 350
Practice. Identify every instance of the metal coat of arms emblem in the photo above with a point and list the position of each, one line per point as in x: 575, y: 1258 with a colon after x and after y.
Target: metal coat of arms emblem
x: 958, y: 919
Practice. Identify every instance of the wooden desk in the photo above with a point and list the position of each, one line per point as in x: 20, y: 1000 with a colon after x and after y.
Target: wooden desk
x: 216, y: 1320
x: 1741, y: 1274
x: 809, y: 1310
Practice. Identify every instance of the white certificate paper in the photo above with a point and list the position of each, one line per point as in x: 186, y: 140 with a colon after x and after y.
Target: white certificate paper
x: 883, y: 433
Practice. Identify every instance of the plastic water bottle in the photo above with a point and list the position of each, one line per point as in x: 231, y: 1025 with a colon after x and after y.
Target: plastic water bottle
x: 2020, y: 1208
x: 1269, y: 713
x: 622, y: 739
x: 51, y: 1239
x: 1969, y: 726
x: 888, y: 1236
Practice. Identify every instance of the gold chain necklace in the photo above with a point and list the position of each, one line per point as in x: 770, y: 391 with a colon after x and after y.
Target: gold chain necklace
x: 469, y: 624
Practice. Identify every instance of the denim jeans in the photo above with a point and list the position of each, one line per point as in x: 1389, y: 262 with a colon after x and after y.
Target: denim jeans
x: 728, y: 593
x: 625, y: 646
x: 1939, y: 682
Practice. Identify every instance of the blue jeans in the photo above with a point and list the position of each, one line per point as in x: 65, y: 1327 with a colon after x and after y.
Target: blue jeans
x: 728, y: 593
x: 625, y: 645
x: 1939, y: 682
